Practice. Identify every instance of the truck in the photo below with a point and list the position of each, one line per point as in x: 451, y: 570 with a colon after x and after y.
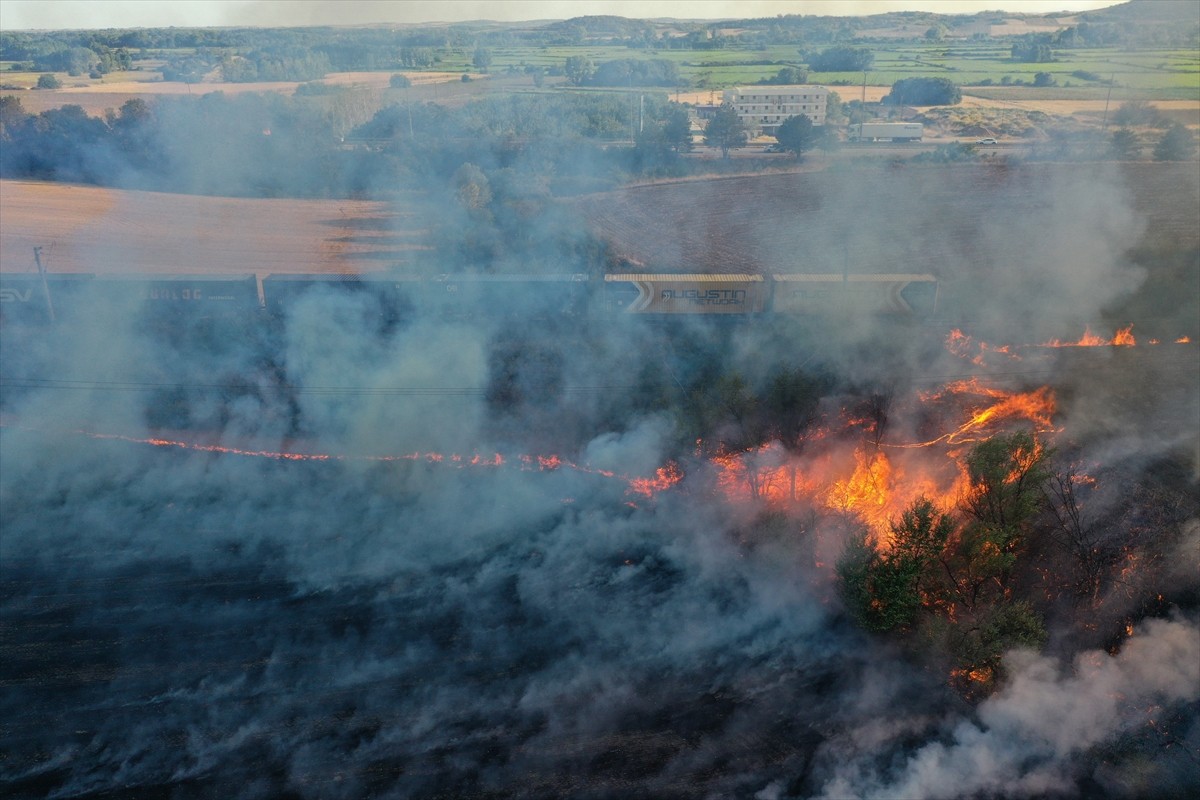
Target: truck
x: 886, y: 131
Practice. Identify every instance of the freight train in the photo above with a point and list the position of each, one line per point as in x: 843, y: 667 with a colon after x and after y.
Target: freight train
x: 166, y: 299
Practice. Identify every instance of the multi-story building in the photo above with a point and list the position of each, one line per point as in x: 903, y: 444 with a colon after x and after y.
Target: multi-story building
x: 763, y: 108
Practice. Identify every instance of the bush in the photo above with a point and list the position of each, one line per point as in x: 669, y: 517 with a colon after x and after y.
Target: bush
x: 924, y: 92
x: 399, y: 82
x: 48, y: 81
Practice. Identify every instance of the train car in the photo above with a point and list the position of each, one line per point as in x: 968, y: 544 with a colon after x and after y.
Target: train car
x: 900, y: 294
x: 168, y: 296
x: 27, y: 299
x: 643, y: 293
x: 467, y: 296
x: 393, y: 298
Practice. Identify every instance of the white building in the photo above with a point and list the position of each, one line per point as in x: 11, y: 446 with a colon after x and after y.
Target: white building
x: 763, y: 108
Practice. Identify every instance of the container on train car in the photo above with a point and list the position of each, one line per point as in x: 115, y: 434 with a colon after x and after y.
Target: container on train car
x: 640, y: 293
x: 390, y: 298
x: 525, y: 296
x: 904, y: 295
x: 25, y: 298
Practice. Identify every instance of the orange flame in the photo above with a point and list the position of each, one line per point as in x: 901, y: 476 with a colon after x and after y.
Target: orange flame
x: 1122, y: 338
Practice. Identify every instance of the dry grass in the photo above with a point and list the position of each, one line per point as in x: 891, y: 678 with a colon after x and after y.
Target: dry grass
x: 90, y: 229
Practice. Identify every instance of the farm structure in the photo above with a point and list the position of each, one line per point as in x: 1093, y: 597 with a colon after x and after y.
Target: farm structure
x: 764, y: 108
x: 886, y: 131
x: 28, y: 298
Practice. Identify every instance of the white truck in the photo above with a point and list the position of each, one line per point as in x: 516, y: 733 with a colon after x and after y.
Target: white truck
x: 886, y: 131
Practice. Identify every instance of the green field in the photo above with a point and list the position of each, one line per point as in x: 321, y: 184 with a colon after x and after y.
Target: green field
x: 985, y: 66
x: 1164, y: 74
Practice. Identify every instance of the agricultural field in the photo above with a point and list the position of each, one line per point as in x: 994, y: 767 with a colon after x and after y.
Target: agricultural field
x: 93, y: 229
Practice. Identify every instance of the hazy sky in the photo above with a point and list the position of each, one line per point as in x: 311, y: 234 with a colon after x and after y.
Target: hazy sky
x: 70, y: 14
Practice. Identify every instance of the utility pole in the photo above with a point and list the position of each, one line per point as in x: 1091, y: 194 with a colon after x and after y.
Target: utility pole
x: 37, y: 258
x: 862, y: 112
x: 1104, y: 125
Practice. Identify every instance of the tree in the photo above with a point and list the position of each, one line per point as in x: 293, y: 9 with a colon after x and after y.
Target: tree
x: 677, y: 129
x: 1043, y: 79
x: 1137, y: 112
x: 578, y: 69
x: 399, y: 81
x: 950, y: 577
x: 886, y: 590
x: 1124, y: 144
x: 12, y: 114
x: 725, y: 130
x: 924, y: 92
x: 472, y: 188
x: 797, y: 134
x: 1177, y: 144
x: 48, y: 81
x: 842, y: 58
x: 788, y: 76
x: 482, y: 58
x: 1032, y: 53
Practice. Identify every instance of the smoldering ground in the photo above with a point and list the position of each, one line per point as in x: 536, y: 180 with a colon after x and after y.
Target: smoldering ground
x: 194, y: 623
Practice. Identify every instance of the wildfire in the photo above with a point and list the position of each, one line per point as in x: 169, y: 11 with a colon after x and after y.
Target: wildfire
x: 664, y: 478
x: 1036, y: 406
x: 1122, y: 338
x: 844, y: 468
x: 964, y: 346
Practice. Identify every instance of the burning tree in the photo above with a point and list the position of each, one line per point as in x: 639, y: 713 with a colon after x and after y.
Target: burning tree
x: 949, y: 578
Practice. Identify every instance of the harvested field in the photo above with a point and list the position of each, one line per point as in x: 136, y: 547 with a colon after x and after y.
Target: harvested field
x: 91, y: 229
x: 98, y: 96
x: 923, y: 219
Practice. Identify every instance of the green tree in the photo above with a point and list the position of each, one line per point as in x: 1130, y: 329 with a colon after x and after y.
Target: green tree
x: 797, y: 134
x: 48, y: 81
x: 399, y: 81
x: 677, y: 128
x: 579, y: 69
x: 1043, y: 79
x: 842, y: 58
x: 12, y: 114
x: 1177, y: 144
x: 725, y: 130
x: 1137, y: 112
x: 949, y: 578
x: 1124, y: 144
x: 886, y: 590
x: 482, y: 59
x: 924, y: 92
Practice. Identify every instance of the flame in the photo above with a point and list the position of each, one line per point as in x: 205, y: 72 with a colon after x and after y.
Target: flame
x: 1122, y: 338
x: 1036, y: 406
x: 664, y: 478
x: 966, y: 347
x: 843, y: 468
x: 963, y: 345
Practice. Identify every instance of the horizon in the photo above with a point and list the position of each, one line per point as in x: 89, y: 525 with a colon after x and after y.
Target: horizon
x: 103, y: 14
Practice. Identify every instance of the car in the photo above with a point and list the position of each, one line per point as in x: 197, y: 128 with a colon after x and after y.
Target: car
x: 988, y: 140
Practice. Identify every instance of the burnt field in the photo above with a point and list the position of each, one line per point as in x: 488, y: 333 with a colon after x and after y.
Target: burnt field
x: 477, y: 557
x: 901, y: 218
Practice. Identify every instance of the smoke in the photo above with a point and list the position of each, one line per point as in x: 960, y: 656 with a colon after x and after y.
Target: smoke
x: 197, y: 623
x: 1028, y: 739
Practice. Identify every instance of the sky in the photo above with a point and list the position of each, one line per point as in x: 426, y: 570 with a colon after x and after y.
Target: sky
x: 76, y: 14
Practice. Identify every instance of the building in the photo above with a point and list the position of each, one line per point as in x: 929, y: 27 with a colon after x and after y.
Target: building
x: 763, y: 108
